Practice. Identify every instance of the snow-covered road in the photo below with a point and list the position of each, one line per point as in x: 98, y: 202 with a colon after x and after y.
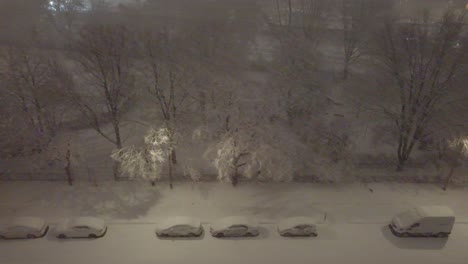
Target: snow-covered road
x: 338, y: 243
x: 354, y: 230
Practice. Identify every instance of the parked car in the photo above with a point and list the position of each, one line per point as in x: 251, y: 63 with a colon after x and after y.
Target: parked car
x: 424, y: 221
x: 297, y: 226
x: 235, y: 226
x: 180, y: 226
x: 81, y: 227
x: 23, y: 227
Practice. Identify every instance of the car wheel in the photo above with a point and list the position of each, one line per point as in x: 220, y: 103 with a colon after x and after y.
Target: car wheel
x: 62, y: 236
x: 313, y: 235
x: 31, y: 236
x: 441, y: 235
x: 287, y: 234
x: 220, y: 234
x: 404, y: 234
x: 92, y: 236
x: 163, y: 235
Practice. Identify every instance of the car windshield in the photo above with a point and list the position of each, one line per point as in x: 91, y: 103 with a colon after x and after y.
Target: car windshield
x: 238, y: 226
x: 408, y: 218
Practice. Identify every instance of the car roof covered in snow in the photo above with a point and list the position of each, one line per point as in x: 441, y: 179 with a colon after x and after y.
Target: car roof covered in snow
x: 93, y: 222
x: 178, y: 220
x: 435, y: 211
x: 234, y: 220
x: 29, y: 222
x: 295, y: 221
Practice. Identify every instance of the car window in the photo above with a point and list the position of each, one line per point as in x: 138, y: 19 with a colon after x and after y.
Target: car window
x: 302, y: 226
x: 239, y: 226
x: 82, y: 227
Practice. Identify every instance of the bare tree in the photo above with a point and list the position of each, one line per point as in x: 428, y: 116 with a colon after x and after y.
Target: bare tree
x: 298, y: 27
x: 30, y: 79
x: 305, y: 18
x: 169, y: 75
x: 359, y: 18
x: 103, y: 51
x: 423, y: 60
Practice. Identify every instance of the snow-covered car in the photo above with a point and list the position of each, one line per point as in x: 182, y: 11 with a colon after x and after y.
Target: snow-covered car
x: 423, y: 221
x: 81, y: 227
x: 180, y: 226
x: 297, y: 226
x: 23, y: 227
x: 235, y: 226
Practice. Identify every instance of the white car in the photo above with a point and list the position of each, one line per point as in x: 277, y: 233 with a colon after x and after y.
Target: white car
x: 424, y: 221
x: 235, y: 226
x: 23, y: 227
x: 180, y: 226
x: 81, y: 227
x: 297, y: 226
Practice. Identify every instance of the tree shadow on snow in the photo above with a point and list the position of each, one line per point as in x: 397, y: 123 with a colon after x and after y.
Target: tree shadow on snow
x: 424, y: 243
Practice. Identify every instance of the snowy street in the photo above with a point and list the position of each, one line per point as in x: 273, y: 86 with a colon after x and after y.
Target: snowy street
x: 338, y: 243
x: 353, y: 230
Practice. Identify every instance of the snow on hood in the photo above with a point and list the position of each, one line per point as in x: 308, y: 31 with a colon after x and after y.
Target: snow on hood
x: 407, y: 218
x: 29, y: 222
x: 233, y: 220
x: 92, y: 222
x: 178, y: 220
x: 295, y: 221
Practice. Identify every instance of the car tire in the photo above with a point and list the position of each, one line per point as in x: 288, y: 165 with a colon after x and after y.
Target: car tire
x: 441, y: 235
x: 313, y: 235
x: 92, y: 236
x: 163, y: 235
x: 287, y: 234
x: 30, y: 236
x: 62, y: 236
x: 220, y: 234
x: 405, y: 234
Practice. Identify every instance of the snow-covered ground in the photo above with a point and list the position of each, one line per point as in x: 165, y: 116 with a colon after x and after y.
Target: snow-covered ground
x: 353, y: 231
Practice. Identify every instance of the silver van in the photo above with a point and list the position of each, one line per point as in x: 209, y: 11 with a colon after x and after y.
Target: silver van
x: 424, y: 221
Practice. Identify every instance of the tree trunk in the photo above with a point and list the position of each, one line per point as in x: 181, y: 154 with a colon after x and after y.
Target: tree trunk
x: 68, y: 165
x: 118, y: 144
x: 118, y: 138
x: 401, y: 164
x: 170, y: 170
x: 449, y: 177
x: 173, y: 156
x: 202, y: 106
x: 116, y: 170
x: 235, y: 178
x: 346, y: 70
